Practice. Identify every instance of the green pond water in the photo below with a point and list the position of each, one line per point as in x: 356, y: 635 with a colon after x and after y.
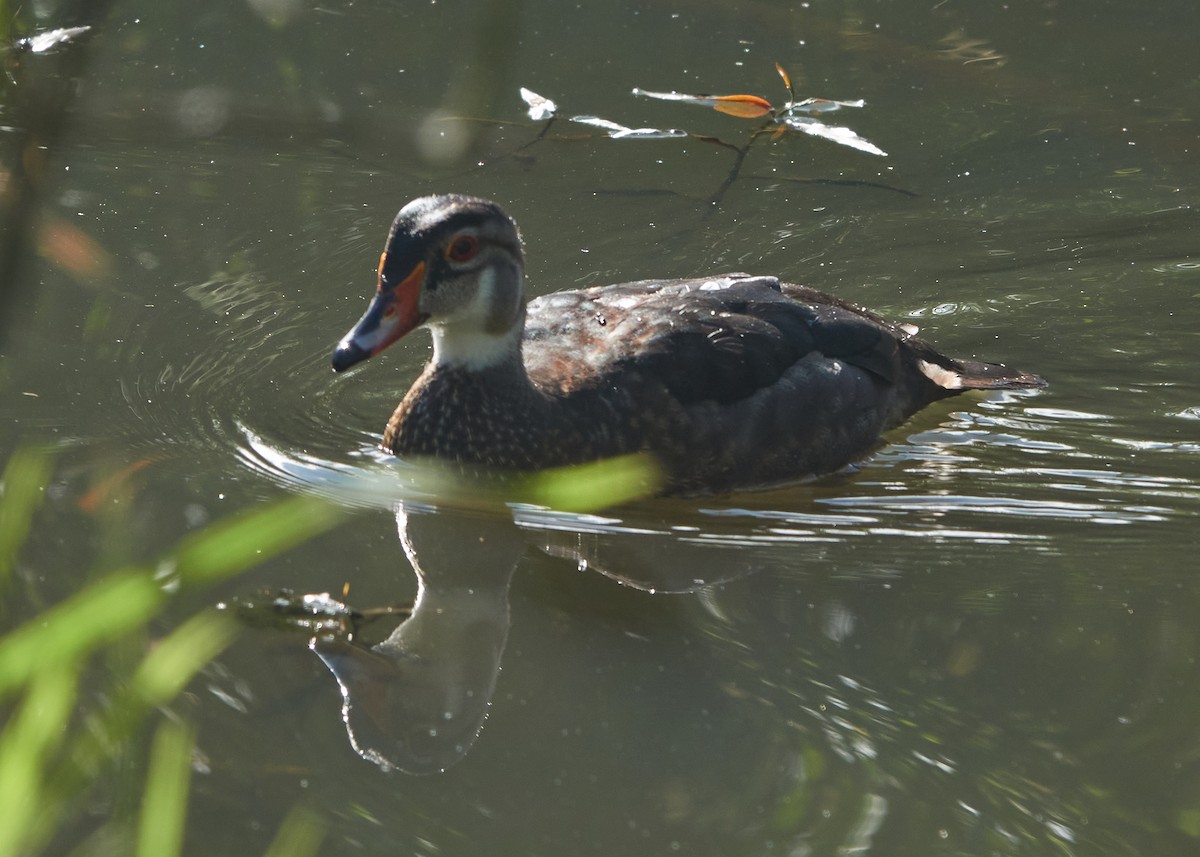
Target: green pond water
x: 983, y: 642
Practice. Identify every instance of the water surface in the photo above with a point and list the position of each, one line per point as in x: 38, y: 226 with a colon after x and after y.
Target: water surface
x: 981, y: 642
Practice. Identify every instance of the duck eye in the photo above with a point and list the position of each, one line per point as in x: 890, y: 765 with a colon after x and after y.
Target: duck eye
x: 463, y: 248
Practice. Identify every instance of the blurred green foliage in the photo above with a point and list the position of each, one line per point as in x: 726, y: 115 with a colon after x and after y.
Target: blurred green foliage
x: 25, y: 474
x: 164, y: 802
x: 52, y: 748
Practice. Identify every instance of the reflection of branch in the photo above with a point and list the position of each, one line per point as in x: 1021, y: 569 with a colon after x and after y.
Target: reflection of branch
x: 306, y: 613
x: 840, y: 183
x: 541, y: 134
x: 714, y: 201
x: 716, y: 141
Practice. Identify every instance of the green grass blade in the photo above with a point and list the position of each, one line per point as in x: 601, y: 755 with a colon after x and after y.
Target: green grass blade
x: 594, y: 485
x: 170, y: 665
x: 24, y: 483
x: 164, y: 802
x: 158, y: 679
x: 40, y: 662
x: 232, y: 546
x: 300, y: 835
x: 66, y: 633
x: 36, y: 729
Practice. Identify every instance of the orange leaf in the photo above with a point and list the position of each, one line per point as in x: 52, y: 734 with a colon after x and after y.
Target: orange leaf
x: 787, y: 81
x: 69, y: 247
x: 746, y: 106
x: 108, y: 487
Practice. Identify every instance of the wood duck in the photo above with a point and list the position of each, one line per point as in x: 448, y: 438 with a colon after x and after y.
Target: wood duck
x: 729, y: 381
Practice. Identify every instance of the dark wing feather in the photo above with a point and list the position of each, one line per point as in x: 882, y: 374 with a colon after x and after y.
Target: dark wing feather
x: 716, y: 339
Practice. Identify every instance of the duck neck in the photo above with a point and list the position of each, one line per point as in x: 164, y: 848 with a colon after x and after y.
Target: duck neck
x: 485, y: 333
x: 459, y: 347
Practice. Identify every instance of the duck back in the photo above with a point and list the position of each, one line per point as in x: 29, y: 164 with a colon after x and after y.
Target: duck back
x: 736, y: 380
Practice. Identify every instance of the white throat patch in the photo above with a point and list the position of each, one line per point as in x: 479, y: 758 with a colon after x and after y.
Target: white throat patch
x: 465, y: 339
x: 470, y: 348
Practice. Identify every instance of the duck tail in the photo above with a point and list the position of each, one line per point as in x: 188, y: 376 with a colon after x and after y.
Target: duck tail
x: 955, y: 376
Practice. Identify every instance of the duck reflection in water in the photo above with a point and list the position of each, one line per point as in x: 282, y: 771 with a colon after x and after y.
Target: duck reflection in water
x: 416, y: 701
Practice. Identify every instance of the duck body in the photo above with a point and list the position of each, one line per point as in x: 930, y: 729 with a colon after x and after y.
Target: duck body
x: 733, y: 381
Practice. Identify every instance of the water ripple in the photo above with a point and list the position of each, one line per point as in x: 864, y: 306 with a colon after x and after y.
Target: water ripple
x: 1007, y: 506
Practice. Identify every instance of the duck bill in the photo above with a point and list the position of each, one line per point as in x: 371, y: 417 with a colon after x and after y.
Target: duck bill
x: 393, y: 312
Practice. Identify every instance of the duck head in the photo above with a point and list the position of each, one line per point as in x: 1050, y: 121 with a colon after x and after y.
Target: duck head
x: 453, y: 263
